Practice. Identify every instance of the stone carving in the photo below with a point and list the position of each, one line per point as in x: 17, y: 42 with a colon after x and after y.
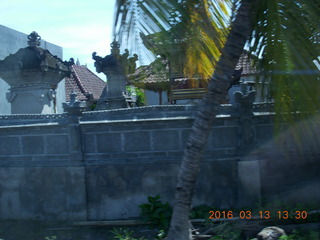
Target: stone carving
x: 271, y: 233
x: 34, y: 39
x: 115, y: 59
x: 244, y: 104
x: 244, y: 100
x: 116, y: 67
x: 73, y: 98
x: 98, y: 62
x: 131, y: 64
x: 10, y: 96
x: 112, y: 60
x: 51, y: 94
x: 124, y: 57
x: 33, y: 74
x: 74, y: 107
x: 115, y: 48
x: 44, y: 62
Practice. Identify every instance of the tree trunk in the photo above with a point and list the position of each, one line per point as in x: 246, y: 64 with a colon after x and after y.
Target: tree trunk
x: 217, y: 90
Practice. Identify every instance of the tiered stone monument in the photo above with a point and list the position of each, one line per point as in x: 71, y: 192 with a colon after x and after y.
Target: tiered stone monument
x: 115, y: 67
x: 33, y: 74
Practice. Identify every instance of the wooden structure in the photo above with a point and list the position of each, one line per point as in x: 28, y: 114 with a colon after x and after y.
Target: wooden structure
x: 189, y: 93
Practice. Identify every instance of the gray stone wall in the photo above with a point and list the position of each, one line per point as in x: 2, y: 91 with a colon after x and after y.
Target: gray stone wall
x: 39, y: 180
x: 102, y: 165
x: 10, y: 42
x: 132, y: 160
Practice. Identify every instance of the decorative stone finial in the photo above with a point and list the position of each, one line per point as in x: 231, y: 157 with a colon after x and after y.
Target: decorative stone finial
x: 74, y: 107
x: 115, y: 48
x: 34, y: 39
x: 116, y: 67
x: 73, y: 97
x: 244, y: 100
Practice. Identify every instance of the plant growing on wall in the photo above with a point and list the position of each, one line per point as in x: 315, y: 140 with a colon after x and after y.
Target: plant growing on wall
x: 156, y: 212
x: 124, y: 234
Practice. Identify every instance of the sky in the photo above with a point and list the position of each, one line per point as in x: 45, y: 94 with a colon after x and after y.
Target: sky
x: 80, y: 27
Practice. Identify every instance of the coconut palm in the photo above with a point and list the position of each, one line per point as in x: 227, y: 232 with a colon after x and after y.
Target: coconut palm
x: 170, y: 29
x: 286, y: 38
x: 217, y: 90
x: 283, y: 34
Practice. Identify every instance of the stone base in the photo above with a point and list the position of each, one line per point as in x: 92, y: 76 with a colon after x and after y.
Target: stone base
x: 113, y: 103
x: 249, y: 186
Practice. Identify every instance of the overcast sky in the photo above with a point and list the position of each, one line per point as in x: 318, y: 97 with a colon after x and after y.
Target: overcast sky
x: 80, y: 27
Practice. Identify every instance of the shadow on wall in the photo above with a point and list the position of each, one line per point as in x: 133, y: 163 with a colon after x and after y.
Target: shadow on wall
x: 289, y: 165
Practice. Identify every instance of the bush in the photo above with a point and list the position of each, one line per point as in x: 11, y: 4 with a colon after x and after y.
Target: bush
x: 156, y: 212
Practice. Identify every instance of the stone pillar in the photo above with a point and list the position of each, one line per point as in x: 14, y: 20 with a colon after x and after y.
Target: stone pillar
x: 249, y: 187
x: 115, y: 94
x: 243, y: 103
x: 74, y: 110
x: 249, y: 183
x: 116, y: 68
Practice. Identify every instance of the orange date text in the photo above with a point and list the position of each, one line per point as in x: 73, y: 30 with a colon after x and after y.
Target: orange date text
x: 284, y: 214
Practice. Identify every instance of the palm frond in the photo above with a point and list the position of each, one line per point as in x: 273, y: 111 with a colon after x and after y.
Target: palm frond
x: 174, y: 29
x: 133, y: 17
x: 207, y: 37
x: 284, y: 38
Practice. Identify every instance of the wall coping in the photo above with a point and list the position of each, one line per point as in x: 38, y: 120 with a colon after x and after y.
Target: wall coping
x: 30, y: 125
x: 147, y: 113
x: 32, y: 116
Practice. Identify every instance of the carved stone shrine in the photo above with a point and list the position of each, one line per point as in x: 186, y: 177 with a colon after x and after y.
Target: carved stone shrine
x: 33, y: 74
x: 115, y: 67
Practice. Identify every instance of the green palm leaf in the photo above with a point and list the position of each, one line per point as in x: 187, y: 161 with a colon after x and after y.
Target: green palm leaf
x: 187, y: 33
x: 284, y: 38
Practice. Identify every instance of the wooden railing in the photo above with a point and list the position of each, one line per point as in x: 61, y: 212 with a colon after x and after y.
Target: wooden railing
x: 191, y: 93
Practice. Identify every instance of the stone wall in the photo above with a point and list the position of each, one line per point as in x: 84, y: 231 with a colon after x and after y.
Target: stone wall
x: 102, y: 165
x: 130, y: 160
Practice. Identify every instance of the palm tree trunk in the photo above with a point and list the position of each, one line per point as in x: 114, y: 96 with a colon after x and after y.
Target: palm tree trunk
x: 217, y: 90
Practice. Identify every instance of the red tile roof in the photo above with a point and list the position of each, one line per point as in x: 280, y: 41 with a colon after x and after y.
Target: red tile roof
x: 247, y: 64
x: 84, y: 82
x: 146, y: 74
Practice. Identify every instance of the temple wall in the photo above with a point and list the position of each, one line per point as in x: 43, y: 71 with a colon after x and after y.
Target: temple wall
x: 102, y: 165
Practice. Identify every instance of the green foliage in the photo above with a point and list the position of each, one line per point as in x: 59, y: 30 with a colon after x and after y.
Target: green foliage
x: 124, y: 234
x: 201, y: 212
x: 93, y: 106
x: 138, y: 93
x: 226, y: 231
x: 302, y: 235
x: 156, y: 212
x: 190, y: 34
x: 161, y: 235
x: 286, y: 40
x: 51, y: 238
x: 140, y: 97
